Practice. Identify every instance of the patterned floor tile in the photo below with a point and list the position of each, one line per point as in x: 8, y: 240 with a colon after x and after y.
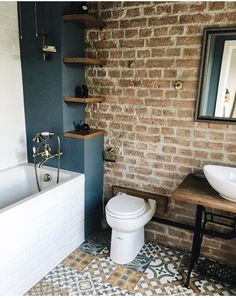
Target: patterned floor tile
x: 124, y: 278
x: 63, y: 277
x: 150, y: 250
x: 101, y: 267
x: 86, y: 284
x: 154, y: 250
x: 140, y: 263
x: 164, y: 265
x: 179, y: 290
x: 149, y: 287
x: 75, y: 282
x: 46, y: 289
x: 78, y: 260
x: 109, y: 290
x: 157, y: 271
x: 91, y: 247
x: 210, y: 287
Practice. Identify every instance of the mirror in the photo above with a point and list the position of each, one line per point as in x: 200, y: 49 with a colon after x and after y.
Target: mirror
x: 217, y: 85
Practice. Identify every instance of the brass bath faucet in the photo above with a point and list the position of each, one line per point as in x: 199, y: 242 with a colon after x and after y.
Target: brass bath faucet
x: 45, y: 151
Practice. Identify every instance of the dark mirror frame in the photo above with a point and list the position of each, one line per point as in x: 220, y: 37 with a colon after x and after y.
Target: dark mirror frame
x: 206, y: 69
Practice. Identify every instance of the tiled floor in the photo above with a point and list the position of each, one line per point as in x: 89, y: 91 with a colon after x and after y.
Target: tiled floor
x: 157, y: 270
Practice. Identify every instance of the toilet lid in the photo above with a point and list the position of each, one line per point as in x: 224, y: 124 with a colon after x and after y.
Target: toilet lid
x: 124, y: 205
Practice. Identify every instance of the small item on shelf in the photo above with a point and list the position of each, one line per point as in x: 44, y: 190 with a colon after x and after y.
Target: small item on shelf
x: 81, y: 92
x: 81, y: 7
x: 78, y: 92
x: 81, y: 126
x: 84, y: 91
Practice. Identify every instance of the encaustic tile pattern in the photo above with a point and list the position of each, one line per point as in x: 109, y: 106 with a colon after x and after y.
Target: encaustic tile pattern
x: 156, y: 271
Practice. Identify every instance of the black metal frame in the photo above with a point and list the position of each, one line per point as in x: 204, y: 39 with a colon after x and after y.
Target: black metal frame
x: 202, y: 217
x: 208, y: 32
x: 212, y: 233
x: 197, y: 241
x: 199, y: 232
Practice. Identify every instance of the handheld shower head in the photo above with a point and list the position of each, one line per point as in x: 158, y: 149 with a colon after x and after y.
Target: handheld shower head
x: 43, y: 136
x: 38, y: 138
x: 47, y: 134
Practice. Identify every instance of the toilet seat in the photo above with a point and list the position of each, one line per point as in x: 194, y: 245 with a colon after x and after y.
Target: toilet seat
x: 125, y: 206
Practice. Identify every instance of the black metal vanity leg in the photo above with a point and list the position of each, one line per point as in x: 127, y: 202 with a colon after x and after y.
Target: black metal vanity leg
x: 196, y: 244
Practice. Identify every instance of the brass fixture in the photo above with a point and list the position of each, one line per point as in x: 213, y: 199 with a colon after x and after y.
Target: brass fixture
x: 178, y: 85
x: 45, y: 152
x: 110, y: 155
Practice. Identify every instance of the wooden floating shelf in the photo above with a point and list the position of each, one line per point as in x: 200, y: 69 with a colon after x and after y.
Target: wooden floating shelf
x: 85, y: 20
x: 91, y: 61
x: 84, y: 100
x: 84, y: 135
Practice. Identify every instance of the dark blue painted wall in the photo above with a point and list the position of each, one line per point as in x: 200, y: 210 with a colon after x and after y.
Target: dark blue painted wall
x: 45, y: 84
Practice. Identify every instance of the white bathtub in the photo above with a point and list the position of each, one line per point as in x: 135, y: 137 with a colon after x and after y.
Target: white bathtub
x: 37, y: 229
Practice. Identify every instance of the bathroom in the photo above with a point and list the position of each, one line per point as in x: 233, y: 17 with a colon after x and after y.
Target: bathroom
x: 147, y: 86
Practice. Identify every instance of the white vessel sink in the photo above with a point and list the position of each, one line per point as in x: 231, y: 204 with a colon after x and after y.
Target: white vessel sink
x: 223, y: 180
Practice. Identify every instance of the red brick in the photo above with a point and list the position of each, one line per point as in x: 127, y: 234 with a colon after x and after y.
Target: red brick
x: 195, y: 18
x: 151, y: 10
x: 191, y: 52
x: 160, y: 42
x: 159, y: 63
x: 173, y: 52
x: 143, y: 53
x: 187, y: 62
x: 130, y: 54
x: 161, y: 31
x: 216, y: 5
x: 166, y: 20
x: 134, y: 12
x: 118, y: 34
x: 147, y: 47
x: 131, y: 43
x: 131, y: 33
x: 133, y: 23
x: 158, y: 52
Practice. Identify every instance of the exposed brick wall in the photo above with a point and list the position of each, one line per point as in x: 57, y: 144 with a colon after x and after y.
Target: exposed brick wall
x: 148, y: 46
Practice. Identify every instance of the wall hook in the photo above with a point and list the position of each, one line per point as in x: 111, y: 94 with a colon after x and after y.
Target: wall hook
x: 178, y: 85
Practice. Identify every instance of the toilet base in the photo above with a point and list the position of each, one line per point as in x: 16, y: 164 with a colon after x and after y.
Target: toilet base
x: 126, y: 246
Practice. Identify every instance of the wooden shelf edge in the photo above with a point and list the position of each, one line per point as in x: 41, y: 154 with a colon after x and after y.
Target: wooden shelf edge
x: 84, y: 136
x: 86, y: 20
x: 84, y: 100
x: 92, y: 61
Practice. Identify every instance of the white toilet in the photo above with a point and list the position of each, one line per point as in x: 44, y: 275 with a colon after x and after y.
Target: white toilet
x: 127, y: 215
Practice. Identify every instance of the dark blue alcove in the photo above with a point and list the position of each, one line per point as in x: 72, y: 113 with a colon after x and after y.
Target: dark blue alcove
x: 46, y: 84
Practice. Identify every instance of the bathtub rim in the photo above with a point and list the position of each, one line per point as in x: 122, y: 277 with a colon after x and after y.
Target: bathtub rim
x: 72, y: 175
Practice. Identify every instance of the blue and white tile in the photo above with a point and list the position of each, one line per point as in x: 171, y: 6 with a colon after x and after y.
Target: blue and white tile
x: 164, y: 265
x: 63, y: 277
x: 92, y: 247
x: 73, y: 281
x: 140, y: 263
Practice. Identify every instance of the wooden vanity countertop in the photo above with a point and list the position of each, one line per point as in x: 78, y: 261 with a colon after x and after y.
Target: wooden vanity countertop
x: 197, y: 190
